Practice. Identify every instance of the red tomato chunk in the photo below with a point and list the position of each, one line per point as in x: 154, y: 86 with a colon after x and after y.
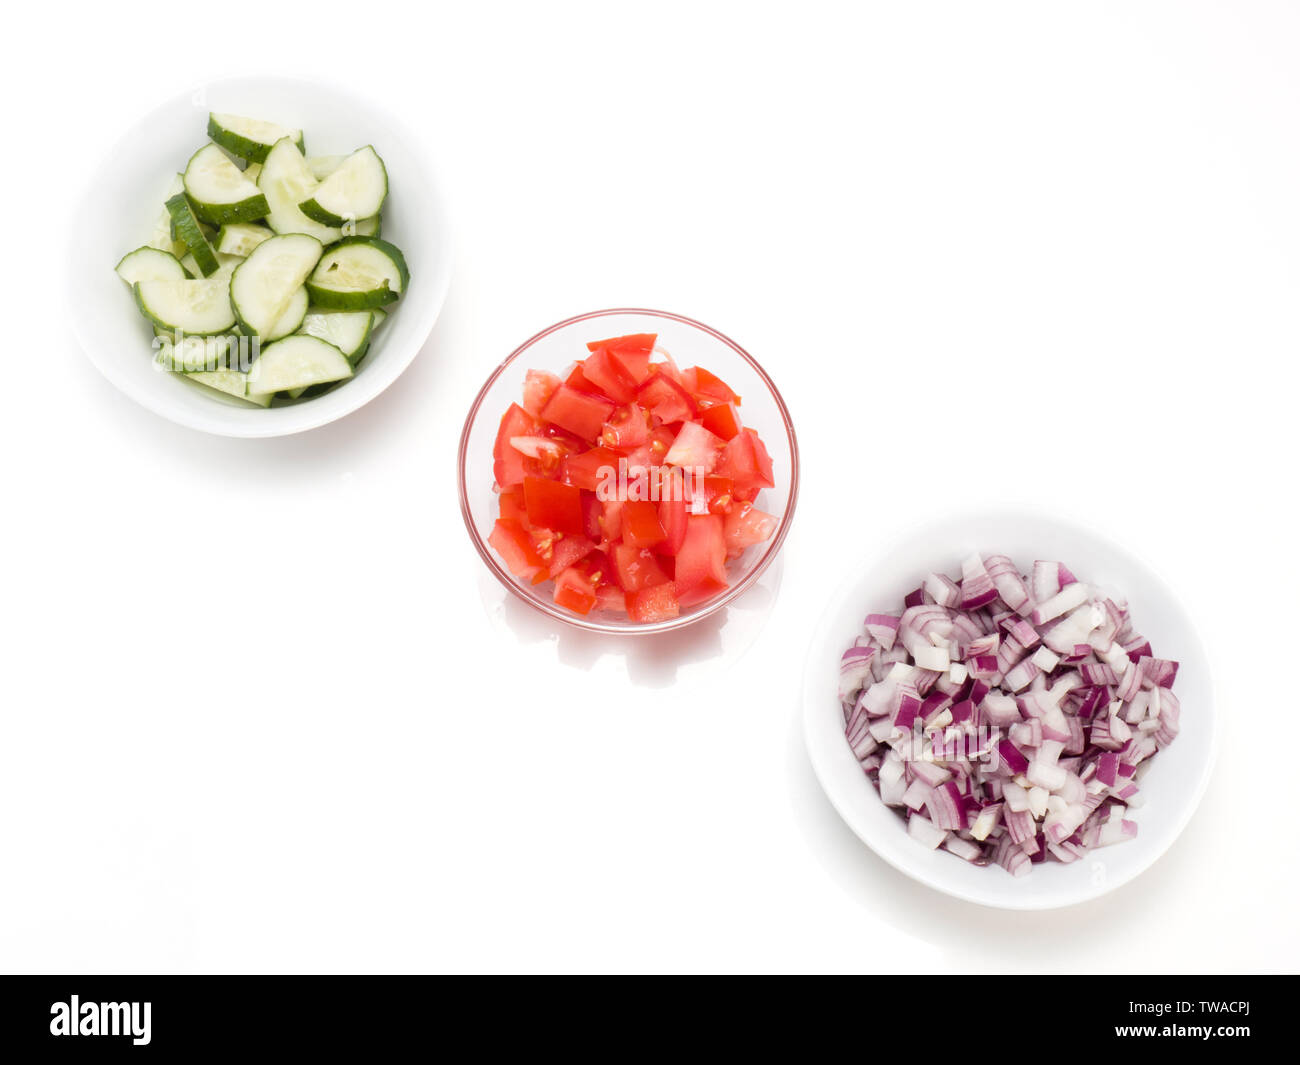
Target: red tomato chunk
x: 628, y: 483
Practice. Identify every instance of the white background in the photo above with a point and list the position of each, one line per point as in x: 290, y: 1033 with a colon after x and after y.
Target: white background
x: 258, y: 712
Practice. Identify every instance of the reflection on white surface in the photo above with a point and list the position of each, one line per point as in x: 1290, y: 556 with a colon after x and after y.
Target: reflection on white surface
x: 687, y: 656
x: 965, y: 930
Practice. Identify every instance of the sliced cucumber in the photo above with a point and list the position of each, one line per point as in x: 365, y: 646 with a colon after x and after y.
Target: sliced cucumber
x: 295, y: 312
x: 232, y: 383
x: 199, y: 308
x: 357, y: 274
x: 150, y: 264
x: 249, y: 138
x: 186, y: 228
x: 253, y: 171
x: 286, y: 182
x: 161, y: 237
x: 297, y: 362
x: 349, y: 331
x: 220, y: 353
x: 354, y: 191
x: 380, y: 317
x: 264, y: 284
x: 225, y: 266
x: 240, y: 238
x: 367, y: 227
x: 218, y: 190
x: 322, y: 166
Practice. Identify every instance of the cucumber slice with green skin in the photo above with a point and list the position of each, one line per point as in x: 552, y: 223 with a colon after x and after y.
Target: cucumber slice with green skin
x: 366, y: 227
x: 380, y: 317
x: 199, y: 308
x: 185, y: 227
x: 322, y: 166
x: 225, y: 266
x: 218, y: 190
x: 240, y: 238
x: 249, y: 138
x: 161, y: 237
x: 286, y: 181
x: 356, y: 190
x: 150, y: 264
x: 232, y: 383
x: 291, y: 321
x: 253, y: 171
x: 349, y: 331
x: 297, y: 362
x: 264, y: 284
x: 357, y: 274
x: 187, y: 354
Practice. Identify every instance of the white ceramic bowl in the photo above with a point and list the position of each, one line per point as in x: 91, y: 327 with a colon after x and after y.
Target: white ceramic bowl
x: 1171, y: 788
x: 124, y: 196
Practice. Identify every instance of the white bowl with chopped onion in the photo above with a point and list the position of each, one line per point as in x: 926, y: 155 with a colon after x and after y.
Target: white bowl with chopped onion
x: 1017, y: 735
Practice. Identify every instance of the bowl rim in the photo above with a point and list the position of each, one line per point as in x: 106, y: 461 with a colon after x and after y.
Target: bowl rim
x: 313, y: 414
x: 577, y: 620
x: 820, y: 754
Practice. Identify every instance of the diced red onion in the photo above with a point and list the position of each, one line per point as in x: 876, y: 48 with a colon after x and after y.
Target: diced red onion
x: 1005, y: 717
x: 883, y: 628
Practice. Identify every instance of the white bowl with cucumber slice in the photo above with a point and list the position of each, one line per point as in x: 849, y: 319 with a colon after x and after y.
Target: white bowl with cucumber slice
x: 290, y: 213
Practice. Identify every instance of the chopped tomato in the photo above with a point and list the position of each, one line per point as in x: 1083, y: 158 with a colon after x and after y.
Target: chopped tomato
x: 701, y: 560
x: 611, y: 519
x: 581, y: 414
x: 637, y: 342
x: 660, y: 440
x: 545, y: 451
x: 636, y: 568
x: 555, y: 506
x: 511, y: 541
x: 640, y: 461
x: 588, y: 470
x: 695, y: 448
x: 713, y: 496
x: 611, y: 597
x: 746, y: 525
x: 574, y: 378
x: 632, y: 353
x: 628, y: 483
x: 672, y: 513
x: 575, y: 591
x: 657, y: 603
x: 746, y: 462
x: 566, y: 551
x: 698, y: 593
x: 704, y: 385
x: 668, y: 368
x: 626, y: 428
x: 608, y: 374
x: 511, y: 465
x: 592, y: 511
x: 666, y: 399
x: 539, y: 386
x: 512, y: 505
x: 722, y: 420
x: 641, y: 525
x: 636, y: 363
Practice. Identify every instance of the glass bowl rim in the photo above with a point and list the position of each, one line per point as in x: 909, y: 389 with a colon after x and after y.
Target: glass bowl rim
x: 588, y: 623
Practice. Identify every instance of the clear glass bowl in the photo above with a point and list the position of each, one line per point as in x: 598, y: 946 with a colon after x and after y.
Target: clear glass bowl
x: 690, y: 343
